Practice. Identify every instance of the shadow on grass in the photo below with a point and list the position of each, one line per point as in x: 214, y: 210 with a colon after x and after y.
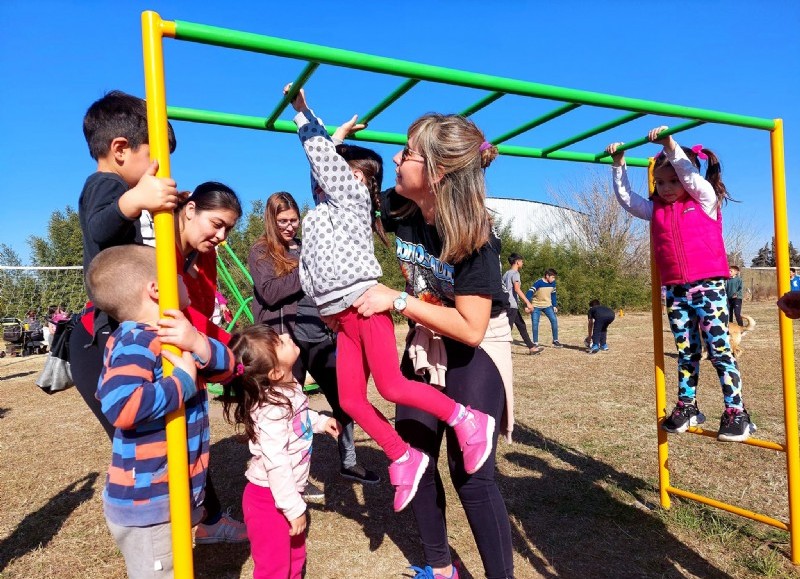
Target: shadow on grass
x: 375, y: 516
x: 228, y: 463
x: 17, y: 375
x: 374, y: 513
x: 37, y: 529
x: 576, y: 520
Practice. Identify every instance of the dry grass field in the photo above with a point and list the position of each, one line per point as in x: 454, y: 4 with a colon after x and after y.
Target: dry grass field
x: 580, y: 480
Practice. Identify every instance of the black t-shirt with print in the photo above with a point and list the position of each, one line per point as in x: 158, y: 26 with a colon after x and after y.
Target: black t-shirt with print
x: 417, y: 247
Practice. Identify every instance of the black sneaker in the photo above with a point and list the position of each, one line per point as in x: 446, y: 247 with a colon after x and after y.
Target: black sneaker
x: 360, y: 474
x: 734, y: 426
x: 683, y: 416
x: 313, y: 493
x: 557, y: 344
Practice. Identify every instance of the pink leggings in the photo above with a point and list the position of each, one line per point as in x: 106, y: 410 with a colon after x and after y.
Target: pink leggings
x: 368, y: 345
x: 276, y: 555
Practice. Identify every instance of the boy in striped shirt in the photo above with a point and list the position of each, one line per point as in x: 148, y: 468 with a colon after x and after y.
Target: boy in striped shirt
x: 136, y: 397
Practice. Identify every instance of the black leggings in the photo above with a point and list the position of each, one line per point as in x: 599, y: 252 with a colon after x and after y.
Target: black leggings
x: 472, y: 379
x: 86, y: 363
x: 516, y: 319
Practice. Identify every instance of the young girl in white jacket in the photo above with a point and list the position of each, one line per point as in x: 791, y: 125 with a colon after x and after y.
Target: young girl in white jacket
x: 265, y: 399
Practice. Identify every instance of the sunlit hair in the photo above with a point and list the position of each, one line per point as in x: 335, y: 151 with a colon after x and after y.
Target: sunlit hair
x: 370, y: 164
x: 271, y: 245
x: 454, y: 164
x: 213, y: 196
x: 713, y: 171
x: 118, y: 114
x: 117, y: 276
x: 254, y: 348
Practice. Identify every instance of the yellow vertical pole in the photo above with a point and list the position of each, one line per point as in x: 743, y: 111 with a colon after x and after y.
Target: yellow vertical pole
x: 786, y: 338
x: 658, y: 364
x: 153, y: 31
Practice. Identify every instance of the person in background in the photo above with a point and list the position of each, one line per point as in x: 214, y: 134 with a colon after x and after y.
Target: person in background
x: 600, y: 317
x: 794, y: 280
x: 542, y: 295
x: 511, y: 283
x: 734, y: 289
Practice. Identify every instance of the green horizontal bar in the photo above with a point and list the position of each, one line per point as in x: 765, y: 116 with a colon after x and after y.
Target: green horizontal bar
x: 536, y: 122
x: 299, y: 82
x: 592, y: 132
x: 645, y: 140
x: 311, y: 52
x: 248, y: 122
x: 280, y: 126
x: 483, y: 103
x: 385, y: 103
x: 516, y: 151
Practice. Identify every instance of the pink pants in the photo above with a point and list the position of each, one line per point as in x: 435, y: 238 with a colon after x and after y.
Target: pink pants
x: 276, y: 555
x: 368, y: 345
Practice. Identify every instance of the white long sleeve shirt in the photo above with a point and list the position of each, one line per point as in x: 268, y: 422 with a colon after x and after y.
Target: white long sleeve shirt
x: 693, y: 183
x: 282, y: 455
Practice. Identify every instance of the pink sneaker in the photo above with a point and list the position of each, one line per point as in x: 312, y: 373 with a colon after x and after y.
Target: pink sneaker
x: 475, y: 435
x: 405, y: 477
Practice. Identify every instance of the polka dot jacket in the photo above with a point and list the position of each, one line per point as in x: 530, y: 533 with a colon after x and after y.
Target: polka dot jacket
x: 338, y: 255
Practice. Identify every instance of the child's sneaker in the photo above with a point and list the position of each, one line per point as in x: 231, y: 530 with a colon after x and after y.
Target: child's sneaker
x: 683, y: 416
x: 604, y: 347
x: 734, y: 426
x: 595, y: 349
x: 557, y: 344
x: 427, y: 573
x: 226, y: 530
x: 535, y: 350
x: 405, y: 477
x: 313, y: 494
x: 475, y: 435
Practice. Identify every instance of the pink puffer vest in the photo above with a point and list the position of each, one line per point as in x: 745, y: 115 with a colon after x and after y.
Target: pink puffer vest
x: 687, y: 243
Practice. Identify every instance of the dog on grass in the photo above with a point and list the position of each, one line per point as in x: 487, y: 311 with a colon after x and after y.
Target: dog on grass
x: 738, y: 332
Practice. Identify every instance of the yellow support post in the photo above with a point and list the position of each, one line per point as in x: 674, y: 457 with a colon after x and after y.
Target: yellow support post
x: 658, y: 366
x: 785, y: 330
x: 153, y: 31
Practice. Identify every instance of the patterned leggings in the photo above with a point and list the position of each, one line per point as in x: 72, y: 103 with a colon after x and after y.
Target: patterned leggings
x: 701, y: 308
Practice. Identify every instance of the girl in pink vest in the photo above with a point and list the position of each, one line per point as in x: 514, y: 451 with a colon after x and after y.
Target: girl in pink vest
x: 686, y: 233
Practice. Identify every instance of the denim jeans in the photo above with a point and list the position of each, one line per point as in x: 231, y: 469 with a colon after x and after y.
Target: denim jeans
x: 551, y: 315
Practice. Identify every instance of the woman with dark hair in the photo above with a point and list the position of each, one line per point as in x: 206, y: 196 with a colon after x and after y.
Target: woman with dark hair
x: 279, y: 302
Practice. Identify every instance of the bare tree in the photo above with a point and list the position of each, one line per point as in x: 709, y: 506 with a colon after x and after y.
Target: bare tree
x: 740, y: 239
x: 610, y: 236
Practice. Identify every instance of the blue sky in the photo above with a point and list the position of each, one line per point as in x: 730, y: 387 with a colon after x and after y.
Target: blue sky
x: 735, y: 56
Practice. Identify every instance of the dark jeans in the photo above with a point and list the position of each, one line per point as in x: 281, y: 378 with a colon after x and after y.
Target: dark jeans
x: 86, y: 363
x: 516, y: 319
x: 319, y: 358
x: 735, y: 309
x: 472, y: 379
x: 600, y: 329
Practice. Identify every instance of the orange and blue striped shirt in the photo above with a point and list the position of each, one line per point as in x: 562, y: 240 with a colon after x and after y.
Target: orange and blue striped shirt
x: 136, y: 398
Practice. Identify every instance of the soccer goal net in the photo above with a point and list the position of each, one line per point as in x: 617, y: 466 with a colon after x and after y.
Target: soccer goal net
x: 23, y: 289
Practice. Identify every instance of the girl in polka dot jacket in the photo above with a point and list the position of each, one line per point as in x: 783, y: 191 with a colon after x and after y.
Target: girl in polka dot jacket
x: 337, y: 265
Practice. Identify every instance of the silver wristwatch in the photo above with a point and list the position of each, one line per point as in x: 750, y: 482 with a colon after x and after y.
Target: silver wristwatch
x: 400, y: 302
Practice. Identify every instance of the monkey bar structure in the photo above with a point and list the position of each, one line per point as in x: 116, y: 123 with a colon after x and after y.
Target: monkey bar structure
x: 489, y: 89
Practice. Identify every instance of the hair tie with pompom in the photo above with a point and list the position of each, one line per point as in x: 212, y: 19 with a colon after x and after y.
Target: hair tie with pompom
x: 484, y: 145
x: 698, y: 150
x: 239, y: 369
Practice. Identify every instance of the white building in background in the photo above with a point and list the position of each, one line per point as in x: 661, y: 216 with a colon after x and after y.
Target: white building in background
x: 529, y: 219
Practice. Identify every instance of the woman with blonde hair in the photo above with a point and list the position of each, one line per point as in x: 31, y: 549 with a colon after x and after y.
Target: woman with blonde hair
x: 449, y: 256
